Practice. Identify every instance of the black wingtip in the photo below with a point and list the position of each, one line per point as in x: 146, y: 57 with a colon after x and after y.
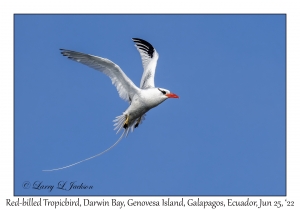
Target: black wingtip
x: 144, y: 45
x: 138, y: 40
x: 63, y: 53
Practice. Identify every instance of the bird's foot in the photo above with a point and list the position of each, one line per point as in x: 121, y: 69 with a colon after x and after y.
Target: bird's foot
x: 138, y: 122
x: 126, y: 122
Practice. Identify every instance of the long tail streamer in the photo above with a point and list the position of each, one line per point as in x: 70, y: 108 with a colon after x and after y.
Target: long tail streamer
x: 56, y: 169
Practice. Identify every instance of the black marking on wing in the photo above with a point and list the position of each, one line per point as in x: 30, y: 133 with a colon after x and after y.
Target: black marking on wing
x: 65, y: 53
x: 144, y: 46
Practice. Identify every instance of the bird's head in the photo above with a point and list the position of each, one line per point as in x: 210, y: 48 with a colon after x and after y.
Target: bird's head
x: 166, y: 93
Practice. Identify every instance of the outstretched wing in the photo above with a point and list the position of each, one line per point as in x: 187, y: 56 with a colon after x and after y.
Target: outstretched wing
x: 126, y: 88
x: 149, y: 59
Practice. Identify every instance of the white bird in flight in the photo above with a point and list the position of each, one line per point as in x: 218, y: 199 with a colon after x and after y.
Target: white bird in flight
x: 141, y: 100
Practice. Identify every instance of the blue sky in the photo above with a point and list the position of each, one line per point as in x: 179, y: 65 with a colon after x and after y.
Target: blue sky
x: 224, y: 136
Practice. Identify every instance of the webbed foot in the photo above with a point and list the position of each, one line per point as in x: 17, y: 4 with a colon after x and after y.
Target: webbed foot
x: 138, y: 122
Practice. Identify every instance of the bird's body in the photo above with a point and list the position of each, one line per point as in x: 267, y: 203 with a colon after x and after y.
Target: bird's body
x: 142, y: 102
x: 141, y: 99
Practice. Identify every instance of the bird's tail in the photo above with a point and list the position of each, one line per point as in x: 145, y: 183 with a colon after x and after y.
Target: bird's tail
x: 120, y: 120
x: 119, y: 123
x: 101, y: 153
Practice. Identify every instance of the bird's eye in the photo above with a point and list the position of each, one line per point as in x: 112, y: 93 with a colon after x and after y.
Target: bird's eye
x: 164, y: 92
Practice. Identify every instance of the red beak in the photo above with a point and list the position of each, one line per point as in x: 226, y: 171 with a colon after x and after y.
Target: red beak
x: 172, y: 95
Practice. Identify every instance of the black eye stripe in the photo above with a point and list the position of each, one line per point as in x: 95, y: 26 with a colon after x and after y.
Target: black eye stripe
x: 164, y: 92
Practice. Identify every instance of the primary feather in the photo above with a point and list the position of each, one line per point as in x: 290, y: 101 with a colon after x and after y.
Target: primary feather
x: 149, y: 58
x: 126, y: 88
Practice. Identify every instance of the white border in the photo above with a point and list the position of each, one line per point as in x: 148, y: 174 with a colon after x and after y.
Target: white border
x: 8, y: 8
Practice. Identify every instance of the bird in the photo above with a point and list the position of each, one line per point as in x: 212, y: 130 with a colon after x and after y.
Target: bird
x: 141, y: 99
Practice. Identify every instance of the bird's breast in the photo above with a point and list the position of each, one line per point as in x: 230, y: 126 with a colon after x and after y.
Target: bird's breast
x: 141, y: 104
